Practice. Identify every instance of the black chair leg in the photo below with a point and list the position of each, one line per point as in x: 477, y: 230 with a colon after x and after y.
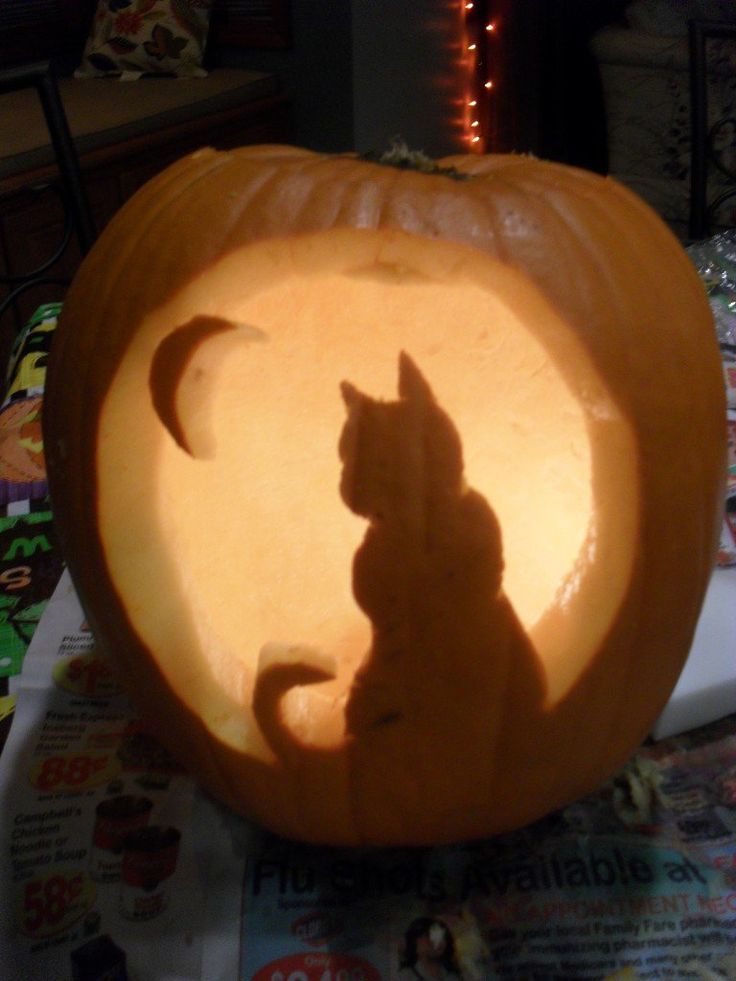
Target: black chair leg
x: 704, y: 156
x: 77, y: 212
x: 40, y: 75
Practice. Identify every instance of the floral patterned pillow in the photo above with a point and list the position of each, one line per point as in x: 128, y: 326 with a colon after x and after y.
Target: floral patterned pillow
x: 130, y: 38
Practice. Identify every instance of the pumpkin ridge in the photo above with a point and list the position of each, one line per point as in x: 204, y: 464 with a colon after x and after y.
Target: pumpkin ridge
x: 566, y: 200
x: 253, y: 190
x: 93, y: 373
x: 319, y: 184
x: 179, y: 187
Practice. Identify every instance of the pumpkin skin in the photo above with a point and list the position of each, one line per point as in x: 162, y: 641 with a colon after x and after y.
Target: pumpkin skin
x: 485, y: 713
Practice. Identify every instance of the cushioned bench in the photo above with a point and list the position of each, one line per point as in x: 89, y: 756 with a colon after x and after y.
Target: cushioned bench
x: 106, y: 114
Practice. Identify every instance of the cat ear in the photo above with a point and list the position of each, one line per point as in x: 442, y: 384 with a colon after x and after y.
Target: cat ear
x: 412, y: 383
x: 347, y: 444
x: 351, y: 396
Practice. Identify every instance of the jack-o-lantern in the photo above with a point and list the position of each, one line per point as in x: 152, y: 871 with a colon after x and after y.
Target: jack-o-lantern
x: 393, y: 493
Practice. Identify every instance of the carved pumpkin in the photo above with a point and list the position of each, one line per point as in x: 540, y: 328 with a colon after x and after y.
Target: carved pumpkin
x: 393, y: 494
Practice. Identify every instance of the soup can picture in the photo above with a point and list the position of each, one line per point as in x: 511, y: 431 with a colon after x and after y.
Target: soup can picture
x: 726, y: 787
x: 149, y: 860
x: 115, y: 818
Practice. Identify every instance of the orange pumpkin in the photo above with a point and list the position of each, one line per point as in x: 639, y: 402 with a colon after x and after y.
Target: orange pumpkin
x: 393, y: 494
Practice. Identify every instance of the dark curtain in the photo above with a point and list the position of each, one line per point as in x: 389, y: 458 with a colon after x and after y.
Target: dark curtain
x: 548, y: 96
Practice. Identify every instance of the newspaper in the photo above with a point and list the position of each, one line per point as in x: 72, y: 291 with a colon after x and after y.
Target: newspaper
x: 115, y: 865
x: 78, y: 776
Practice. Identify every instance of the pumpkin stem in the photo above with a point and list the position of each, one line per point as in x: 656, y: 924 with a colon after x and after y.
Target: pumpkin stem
x: 399, y: 155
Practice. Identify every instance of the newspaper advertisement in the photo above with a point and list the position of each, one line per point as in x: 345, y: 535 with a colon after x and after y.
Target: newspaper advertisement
x: 105, y: 852
x: 583, y: 894
x: 115, y: 865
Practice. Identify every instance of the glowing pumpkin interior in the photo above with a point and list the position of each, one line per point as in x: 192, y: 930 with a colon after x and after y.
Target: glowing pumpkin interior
x: 248, y: 545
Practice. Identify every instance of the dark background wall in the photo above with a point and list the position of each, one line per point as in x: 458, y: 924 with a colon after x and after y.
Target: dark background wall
x: 360, y: 72
x: 316, y: 71
x: 406, y: 76
x: 555, y: 78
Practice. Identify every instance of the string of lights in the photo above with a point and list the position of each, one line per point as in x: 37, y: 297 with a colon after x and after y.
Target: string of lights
x: 479, y: 38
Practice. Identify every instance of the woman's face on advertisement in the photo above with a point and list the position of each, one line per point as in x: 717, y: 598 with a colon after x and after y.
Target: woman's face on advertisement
x: 433, y: 943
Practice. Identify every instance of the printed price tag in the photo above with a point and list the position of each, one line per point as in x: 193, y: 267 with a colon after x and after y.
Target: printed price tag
x: 87, y: 675
x: 53, y: 902
x: 73, y: 771
x: 318, y: 967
